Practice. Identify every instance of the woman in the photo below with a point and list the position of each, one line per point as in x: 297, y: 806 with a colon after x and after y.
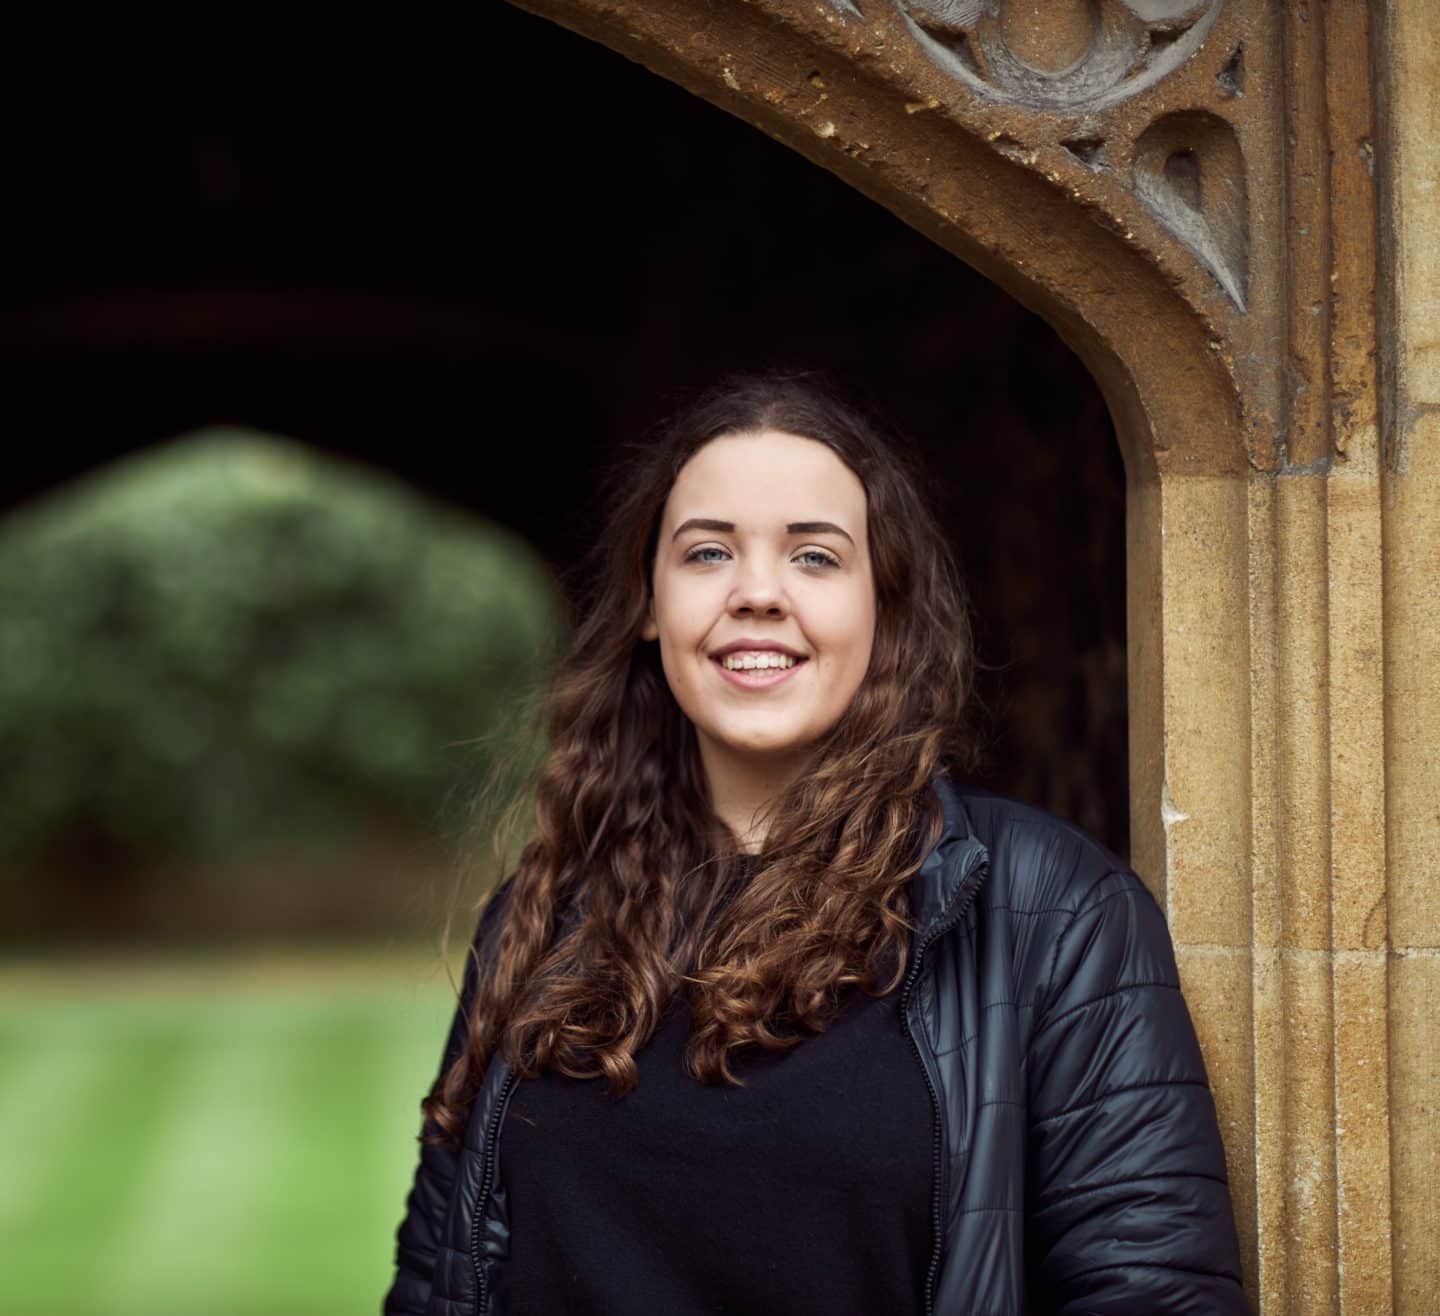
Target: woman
x: 775, y: 1015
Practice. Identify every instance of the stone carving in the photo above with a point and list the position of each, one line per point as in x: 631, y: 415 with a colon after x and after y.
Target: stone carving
x: 1059, y: 54
x: 1077, y: 57
x: 1189, y: 171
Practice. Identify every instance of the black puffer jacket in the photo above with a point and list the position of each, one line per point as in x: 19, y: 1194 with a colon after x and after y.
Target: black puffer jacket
x: 1078, y: 1164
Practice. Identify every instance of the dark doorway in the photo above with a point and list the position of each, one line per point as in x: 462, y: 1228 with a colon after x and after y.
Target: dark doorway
x: 481, y: 266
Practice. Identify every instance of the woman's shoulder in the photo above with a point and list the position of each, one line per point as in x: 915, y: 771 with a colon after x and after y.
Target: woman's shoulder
x: 1039, y: 860
x: 1071, y: 910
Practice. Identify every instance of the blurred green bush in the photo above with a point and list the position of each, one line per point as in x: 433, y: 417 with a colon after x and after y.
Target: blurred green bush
x: 231, y: 643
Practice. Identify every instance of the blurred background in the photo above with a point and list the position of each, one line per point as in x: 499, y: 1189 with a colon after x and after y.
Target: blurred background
x: 312, y: 358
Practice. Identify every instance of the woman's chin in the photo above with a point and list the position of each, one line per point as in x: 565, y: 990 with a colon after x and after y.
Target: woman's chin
x: 764, y: 745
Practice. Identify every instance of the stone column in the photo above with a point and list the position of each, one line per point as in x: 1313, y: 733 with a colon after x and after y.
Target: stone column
x: 1410, y: 556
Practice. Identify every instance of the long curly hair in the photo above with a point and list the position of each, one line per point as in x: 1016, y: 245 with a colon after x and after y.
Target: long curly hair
x: 630, y: 889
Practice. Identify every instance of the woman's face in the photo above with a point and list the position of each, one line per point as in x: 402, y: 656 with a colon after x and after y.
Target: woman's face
x: 763, y: 557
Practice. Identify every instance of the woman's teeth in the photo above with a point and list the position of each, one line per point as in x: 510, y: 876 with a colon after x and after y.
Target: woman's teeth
x: 738, y: 662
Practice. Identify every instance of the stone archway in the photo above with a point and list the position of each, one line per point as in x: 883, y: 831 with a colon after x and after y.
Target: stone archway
x: 1189, y: 191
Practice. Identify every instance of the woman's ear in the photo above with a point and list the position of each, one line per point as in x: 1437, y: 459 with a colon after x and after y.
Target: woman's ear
x: 649, y: 630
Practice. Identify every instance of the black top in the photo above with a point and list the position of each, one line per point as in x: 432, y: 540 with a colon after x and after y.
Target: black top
x: 684, y: 1198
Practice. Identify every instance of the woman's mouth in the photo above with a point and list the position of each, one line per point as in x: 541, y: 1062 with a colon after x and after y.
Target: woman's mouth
x: 758, y: 677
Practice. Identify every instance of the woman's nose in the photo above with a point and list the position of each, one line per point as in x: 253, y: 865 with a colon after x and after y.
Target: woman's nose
x: 758, y: 591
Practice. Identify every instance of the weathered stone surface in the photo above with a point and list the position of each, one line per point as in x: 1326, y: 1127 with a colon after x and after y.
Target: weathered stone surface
x: 1302, y: 712
x: 1308, y: 1094
x: 1218, y: 986
x: 1205, y: 791
x: 1410, y: 521
x: 1411, y: 515
x: 1363, y: 1131
x: 1411, y: 505
x: 1414, y: 1006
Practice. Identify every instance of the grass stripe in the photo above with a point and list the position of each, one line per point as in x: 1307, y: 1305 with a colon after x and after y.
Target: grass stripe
x: 407, y: 1054
x: 43, y: 1092
x: 221, y: 1149
x: 48, y: 1261
x: 190, y: 1220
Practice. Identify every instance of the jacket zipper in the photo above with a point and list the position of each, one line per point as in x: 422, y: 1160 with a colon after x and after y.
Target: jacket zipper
x: 482, y: 1297
x: 962, y: 906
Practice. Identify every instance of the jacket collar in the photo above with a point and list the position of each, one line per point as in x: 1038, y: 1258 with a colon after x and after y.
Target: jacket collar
x: 955, y: 857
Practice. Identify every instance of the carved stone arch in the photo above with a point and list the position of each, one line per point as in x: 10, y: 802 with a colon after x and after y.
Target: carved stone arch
x: 1037, y: 197
x: 1187, y: 191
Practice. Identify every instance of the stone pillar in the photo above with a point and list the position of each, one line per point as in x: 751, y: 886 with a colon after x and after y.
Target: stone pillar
x: 1230, y: 209
x: 1410, y: 557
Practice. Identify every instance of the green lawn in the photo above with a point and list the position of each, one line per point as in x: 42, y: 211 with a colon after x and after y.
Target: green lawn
x: 210, y: 1138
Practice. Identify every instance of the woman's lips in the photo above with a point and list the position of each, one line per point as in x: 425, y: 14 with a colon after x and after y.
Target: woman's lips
x: 758, y: 678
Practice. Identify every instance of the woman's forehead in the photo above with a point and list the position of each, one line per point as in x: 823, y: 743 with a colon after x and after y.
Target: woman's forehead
x: 766, y: 478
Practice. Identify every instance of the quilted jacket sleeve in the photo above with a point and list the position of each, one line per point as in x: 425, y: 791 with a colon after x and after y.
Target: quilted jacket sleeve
x: 1128, y: 1202
x: 417, y: 1241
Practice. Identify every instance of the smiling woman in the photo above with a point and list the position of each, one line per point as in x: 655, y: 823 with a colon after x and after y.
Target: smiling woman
x: 776, y: 1014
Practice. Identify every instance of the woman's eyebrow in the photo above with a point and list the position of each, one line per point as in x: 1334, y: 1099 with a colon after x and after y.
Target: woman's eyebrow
x: 728, y: 527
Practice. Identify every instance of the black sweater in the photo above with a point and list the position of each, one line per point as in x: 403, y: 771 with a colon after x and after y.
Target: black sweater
x: 806, y: 1190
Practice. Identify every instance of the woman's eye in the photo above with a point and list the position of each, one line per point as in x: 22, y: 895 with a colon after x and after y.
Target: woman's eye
x: 812, y: 557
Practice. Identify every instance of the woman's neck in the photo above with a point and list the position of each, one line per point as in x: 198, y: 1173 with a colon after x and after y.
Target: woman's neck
x: 744, y: 789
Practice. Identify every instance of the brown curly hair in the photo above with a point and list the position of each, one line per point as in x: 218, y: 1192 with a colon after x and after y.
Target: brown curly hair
x: 618, y: 900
